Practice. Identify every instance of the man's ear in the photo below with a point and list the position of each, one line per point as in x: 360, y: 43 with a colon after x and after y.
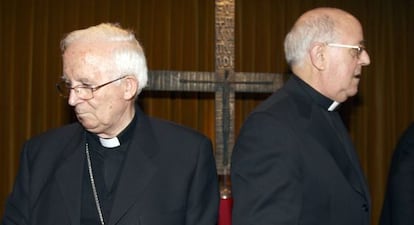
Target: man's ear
x: 130, y: 87
x: 317, y: 56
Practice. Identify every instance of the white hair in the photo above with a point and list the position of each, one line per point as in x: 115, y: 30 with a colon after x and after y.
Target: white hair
x: 128, y: 55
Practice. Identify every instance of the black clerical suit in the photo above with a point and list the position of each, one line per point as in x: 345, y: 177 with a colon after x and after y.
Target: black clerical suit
x: 294, y: 163
x: 167, y: 176
x: 398, y: 208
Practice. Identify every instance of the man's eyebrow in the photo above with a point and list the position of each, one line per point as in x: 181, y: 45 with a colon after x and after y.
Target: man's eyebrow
x: 82, y: 81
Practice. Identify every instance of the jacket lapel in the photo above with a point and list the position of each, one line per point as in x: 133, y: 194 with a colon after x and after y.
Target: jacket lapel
x: 359, y: 182
x: 138, y: 168
x: 69, y: 176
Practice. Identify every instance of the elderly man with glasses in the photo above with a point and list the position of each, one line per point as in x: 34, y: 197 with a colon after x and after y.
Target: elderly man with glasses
x: 115, y: 165
x: 293, y: 162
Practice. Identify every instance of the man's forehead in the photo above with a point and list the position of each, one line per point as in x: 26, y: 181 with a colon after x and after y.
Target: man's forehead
x: 91, y: 53
x: 88, y: 66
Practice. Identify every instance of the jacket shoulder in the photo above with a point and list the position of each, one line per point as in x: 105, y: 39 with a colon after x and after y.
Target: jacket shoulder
x: 174, y: 130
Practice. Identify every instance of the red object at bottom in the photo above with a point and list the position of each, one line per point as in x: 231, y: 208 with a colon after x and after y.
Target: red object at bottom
x: 224, y: 217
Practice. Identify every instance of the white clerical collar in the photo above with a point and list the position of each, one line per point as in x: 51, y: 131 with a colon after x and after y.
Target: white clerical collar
x: 333, y: 106
x: 110, y: 142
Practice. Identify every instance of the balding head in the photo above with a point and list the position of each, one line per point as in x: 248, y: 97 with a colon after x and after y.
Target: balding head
x: 317, y: 25
x: 325, y: 48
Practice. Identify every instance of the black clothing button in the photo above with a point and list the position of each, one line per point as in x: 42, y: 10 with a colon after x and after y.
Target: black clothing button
x: 365, y: 207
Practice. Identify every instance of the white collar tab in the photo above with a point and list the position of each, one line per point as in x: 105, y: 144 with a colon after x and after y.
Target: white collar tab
x: 110, y: 142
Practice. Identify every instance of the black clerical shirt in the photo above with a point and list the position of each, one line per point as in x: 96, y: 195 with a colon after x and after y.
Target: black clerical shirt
x: 106, y: 166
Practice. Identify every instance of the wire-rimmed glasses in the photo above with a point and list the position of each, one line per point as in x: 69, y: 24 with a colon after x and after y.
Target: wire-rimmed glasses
x: 84, y: 92
x: 359, y: 48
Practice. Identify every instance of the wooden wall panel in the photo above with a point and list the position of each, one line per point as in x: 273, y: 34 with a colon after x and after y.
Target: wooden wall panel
x: 179, y: 35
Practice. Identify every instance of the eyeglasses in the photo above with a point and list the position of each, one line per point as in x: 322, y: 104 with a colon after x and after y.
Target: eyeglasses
x: 359, y: 48
x: 82, y: 91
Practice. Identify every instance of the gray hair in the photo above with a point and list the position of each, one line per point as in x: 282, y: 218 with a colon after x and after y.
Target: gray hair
x: 303, y: 34
x: 128, y: 54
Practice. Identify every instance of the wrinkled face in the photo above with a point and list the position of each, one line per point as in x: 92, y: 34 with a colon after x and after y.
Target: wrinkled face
x: 344, y: 64
x: 89, y: 65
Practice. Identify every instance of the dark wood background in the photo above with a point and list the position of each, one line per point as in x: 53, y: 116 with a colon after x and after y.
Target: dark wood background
x: 179, y: 35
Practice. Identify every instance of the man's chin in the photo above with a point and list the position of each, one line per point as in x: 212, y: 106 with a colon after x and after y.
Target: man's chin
x: 352, y: 93
x: 88, y: 125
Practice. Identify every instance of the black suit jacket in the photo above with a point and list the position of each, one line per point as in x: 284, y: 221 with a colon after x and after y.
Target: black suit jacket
x: 169, y: 177
x: 398, y: 208
x: 284, y: 171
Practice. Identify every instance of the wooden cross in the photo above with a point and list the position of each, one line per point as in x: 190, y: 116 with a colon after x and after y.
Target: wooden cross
x: 224, y: 82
